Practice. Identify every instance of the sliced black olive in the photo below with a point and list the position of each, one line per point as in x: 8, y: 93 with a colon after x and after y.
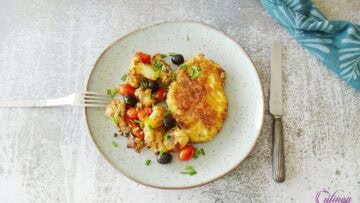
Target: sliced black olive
x: 164, y: 158
x: 153, y: 85
x: 169, y: 122
x: 177, y: 59
x: 130, y: 99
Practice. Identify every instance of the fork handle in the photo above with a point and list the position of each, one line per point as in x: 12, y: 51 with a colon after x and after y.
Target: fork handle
x: 278, y: 159
x: 34, y: 103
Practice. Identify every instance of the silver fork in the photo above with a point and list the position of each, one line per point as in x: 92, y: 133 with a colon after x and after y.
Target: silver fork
x: 86, y: 99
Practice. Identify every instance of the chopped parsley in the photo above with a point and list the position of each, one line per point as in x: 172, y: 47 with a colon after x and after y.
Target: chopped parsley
x: 189, y: 170
x: 163, y: 55
x: 172, y: 53
x: 115, y: 144
x: 147, y: 162
x: 123, y: 77
x: 195, y: 72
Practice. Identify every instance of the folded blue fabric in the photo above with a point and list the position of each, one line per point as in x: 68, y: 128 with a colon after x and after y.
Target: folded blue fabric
x: 335, y: 43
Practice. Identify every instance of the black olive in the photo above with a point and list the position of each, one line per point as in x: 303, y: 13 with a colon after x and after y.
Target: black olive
x: 164, y: 158
x: 177, y: 59
x: 169, y: 122
x: 130, y: 99
x: 153, y: 85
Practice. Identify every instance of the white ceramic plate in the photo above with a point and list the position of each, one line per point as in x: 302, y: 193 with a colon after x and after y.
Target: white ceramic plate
x: 243, y: 90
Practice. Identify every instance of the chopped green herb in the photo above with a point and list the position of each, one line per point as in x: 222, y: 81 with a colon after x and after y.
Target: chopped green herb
x: 161, y: 152
x: 202, y: 151
x: 173, y: 76
x: 167, y: 137
x: 189, y: 170
x: 150, y: 127
x: 140, y: 123
x: 147, y: 162
x: 114, y: 119
x: 195, y: 72
x: 153, y: 95
x: 184, y: 66
x: 123, y: 77
x: 156, y: 64
x: 167, y: 114
x: 163, y: 68
x: 157, y: 73
x: 114, y: 144
x: 172, y: 53
x: 163, y: 55
x: 108, y: 92
x: 143, y: 84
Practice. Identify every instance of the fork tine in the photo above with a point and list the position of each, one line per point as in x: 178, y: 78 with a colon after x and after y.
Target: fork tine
x: 94, y: 105
x: 95, y: 101
x: 96, y: 93
x: 98, y: 98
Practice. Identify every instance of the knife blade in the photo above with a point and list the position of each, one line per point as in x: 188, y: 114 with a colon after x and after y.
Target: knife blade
x: 275, y: 104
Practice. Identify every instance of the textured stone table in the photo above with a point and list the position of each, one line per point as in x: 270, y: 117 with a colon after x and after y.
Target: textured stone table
x: 47, y: 49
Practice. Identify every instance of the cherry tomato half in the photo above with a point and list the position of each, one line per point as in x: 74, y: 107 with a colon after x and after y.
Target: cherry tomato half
x: 186, y: 153
x: 144, y: 112
x: 132, y: 113
x: 160, y: 95
x: 126, y: 89
x: 145, y: 58
x: 136, y: 131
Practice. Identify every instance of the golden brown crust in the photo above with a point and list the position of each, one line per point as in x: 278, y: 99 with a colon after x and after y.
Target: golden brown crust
x: 199, y: 104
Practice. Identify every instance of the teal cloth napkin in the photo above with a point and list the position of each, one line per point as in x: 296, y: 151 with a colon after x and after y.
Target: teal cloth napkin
x: 335, y: 43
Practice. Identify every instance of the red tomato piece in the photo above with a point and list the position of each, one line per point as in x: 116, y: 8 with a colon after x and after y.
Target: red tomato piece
x: 160, y: 95
x: 132, y: 113
x: 136, y: 131
x: 126, y: 89
x: 145, y: 58
x: 186, y: 153
x: 144, y: 112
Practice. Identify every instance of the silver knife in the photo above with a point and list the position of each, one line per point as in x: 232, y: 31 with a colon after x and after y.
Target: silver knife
x: 275, y: 103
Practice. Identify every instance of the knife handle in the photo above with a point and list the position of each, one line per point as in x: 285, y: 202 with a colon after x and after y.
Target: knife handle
x: 278, y: 160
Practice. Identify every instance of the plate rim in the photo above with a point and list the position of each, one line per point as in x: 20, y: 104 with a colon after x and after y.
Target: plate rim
x: 262, y: 104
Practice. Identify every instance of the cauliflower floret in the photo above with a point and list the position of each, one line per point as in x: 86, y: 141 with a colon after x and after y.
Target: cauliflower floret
x: 176, y: 139
x: 116, y: 112
x: 156, y: 117
x: 154, y: 138
x: 144, y: 96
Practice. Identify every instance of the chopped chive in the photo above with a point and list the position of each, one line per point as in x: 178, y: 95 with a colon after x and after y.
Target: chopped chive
x: 188, y: 167
x: 114, y: 119
x: 167, y: 114
x: 202, y: 151
x: 113, y: 92
x: 190, y: 170
x: 195, y: 156
x: 108, y: 91
x: 114, y: 144
x: 184, y: 66
x: 172, y: 53
x: 195, y: 72
x: 123, y: 77
x: 147, y: 162
x: 150, y: 127
x: 184, y: 172
x: 163, y: 55
x: 161, y: 152
x: 143, y: 84
x: 167, y: 137
x: 193, y: 172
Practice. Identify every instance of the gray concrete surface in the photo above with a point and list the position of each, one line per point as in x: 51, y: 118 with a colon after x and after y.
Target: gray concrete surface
x: 47, y: 49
